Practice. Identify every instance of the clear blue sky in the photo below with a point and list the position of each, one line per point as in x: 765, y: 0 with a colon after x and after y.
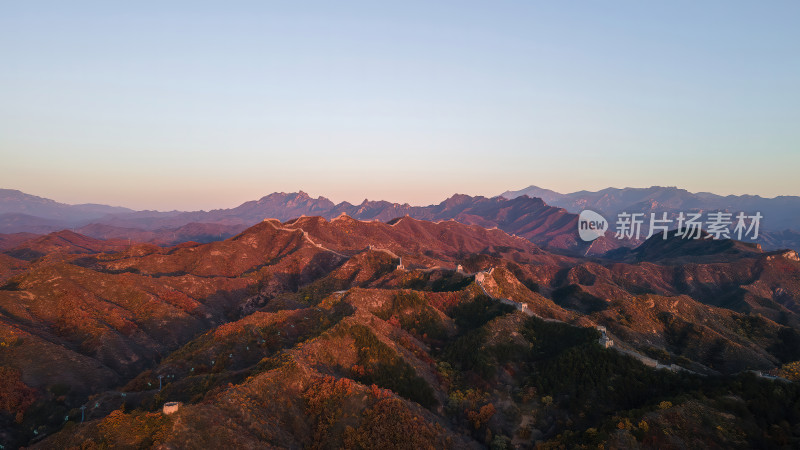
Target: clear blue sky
x: 207, y: 104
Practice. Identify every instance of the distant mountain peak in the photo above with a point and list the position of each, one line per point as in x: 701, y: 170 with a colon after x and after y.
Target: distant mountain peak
x: 457, y: 199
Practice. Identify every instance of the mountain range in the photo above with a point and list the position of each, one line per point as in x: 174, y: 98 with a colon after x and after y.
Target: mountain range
x: 530, y: 218
x: 545, y: 217
x: 339, y: 332
x: 780, y: 213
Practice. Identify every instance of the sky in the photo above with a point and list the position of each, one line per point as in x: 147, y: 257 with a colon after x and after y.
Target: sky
x: 201, y: 105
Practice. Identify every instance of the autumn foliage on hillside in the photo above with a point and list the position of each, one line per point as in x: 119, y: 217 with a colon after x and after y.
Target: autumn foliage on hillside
x: 309, y: 334
x: 15, y: 396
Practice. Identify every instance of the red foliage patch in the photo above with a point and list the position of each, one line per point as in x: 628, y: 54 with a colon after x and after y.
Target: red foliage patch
x: 15, y: 396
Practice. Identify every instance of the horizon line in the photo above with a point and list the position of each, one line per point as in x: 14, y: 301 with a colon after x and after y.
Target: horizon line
x: 367, y: 199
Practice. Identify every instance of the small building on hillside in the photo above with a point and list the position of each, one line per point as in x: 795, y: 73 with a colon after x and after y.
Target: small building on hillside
x: 171, y: 407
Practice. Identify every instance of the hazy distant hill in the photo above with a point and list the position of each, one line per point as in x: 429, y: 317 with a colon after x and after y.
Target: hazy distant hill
x: 780, y: 213
x: 16, y: 202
